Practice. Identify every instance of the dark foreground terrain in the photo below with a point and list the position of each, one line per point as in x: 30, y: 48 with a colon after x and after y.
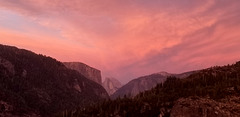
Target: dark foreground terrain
x: 36, y: 85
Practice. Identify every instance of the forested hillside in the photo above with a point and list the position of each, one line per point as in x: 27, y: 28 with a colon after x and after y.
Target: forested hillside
x: 215, y: 83
x: 34, y: 85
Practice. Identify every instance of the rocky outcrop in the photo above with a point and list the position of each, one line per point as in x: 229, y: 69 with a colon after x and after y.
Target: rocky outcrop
x: 111, y: 85
x: 204, y: 107
x: 89, y: 72
x: 7, y: 110
x: 7, y: 65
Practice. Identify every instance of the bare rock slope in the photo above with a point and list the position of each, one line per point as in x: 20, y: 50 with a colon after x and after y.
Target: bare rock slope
x: 89, y: 72
x: 111, y: 85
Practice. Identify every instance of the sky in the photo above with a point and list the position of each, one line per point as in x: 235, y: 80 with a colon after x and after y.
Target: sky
x: 126, y: 39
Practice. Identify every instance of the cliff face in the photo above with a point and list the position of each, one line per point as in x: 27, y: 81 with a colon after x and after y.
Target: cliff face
x: 89, y: 72
x: 111, y: 85
x: 32, y: 84
x: 203, y: 107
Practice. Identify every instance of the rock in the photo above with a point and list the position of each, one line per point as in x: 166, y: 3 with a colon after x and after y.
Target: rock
x: 203, y: 107
x: 87, y: 71
x: 7, y: 110
x: 5, y: 107
x: 8, y: 65
x: 111, y: 85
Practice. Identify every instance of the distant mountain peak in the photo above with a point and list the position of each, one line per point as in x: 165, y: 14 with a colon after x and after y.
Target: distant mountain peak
x: 111, y: 85
x: 144, y: 83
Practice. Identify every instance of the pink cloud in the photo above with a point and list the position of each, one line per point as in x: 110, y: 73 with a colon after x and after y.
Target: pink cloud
x: 126, y: 39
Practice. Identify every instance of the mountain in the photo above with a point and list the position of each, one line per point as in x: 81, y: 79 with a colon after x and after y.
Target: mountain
x: 37, y: 85
x: 111, y: 85
x: 89, y: 72
x: 211, y: 92
x: 144, y: 83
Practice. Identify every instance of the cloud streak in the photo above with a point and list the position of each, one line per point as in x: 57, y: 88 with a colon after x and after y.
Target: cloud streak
x: 127, y: 38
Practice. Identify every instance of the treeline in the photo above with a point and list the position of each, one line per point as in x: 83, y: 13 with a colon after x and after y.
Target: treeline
x: 214, y: 83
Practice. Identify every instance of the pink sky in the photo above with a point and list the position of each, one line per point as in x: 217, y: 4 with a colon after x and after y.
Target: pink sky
x: 126, y: 39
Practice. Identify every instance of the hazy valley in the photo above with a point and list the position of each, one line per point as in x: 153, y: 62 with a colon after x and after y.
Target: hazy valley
x: 37, y: 85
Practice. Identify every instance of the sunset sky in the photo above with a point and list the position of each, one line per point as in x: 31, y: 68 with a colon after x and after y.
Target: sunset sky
x: 126, y: 39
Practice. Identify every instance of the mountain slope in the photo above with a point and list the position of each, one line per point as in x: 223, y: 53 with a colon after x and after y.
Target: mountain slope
x: 89, y: 72
x: 111, y: 85
x: 32, y: 83
x: 144, y: 83
x: 209, y: 92
x: 204, y: 107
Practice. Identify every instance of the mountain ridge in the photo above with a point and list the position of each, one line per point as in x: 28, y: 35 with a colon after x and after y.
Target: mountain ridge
x: 214, y: 91
x: 143, y: 83
x: 40, y: 85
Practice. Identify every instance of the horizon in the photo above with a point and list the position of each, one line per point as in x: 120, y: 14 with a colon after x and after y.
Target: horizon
x: 123, y: 83
x: 126, y: 40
